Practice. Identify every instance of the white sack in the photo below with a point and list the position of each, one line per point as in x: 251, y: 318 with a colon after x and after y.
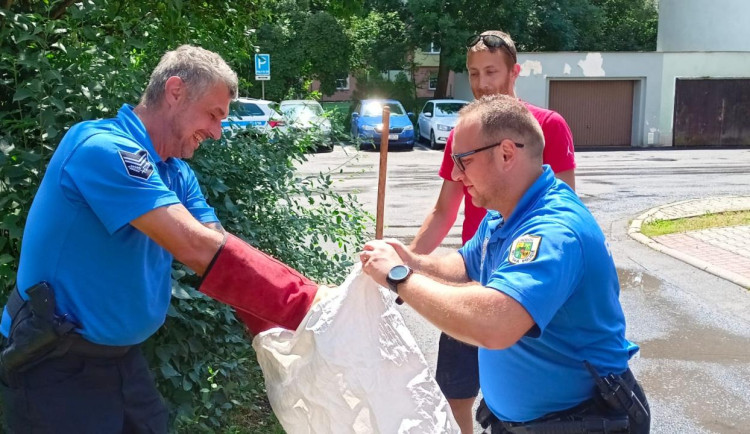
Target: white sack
x: 351, y: 367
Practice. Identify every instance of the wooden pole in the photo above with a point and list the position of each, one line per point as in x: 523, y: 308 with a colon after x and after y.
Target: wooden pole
x: 379, y: 217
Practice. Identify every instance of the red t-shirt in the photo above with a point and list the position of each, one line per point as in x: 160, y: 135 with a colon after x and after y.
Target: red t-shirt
x: 558, y: 153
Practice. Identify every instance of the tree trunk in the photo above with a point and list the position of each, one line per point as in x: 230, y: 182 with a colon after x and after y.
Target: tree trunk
x: 441, y: 90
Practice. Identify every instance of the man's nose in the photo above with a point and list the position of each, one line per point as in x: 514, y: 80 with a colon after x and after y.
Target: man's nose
x: 215, y: 131
x: 484, y: 81
x: 456, y: 173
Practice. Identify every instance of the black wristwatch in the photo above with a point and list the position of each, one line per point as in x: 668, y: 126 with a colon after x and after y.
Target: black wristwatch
x: 398, y: 274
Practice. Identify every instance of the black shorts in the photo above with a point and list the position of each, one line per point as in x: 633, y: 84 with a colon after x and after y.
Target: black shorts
x: 457, y: 371
x: 77, y: 394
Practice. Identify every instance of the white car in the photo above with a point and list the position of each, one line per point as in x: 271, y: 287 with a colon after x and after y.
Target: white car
x: 256, y: 113
x: 437, y: 119
x: 308, y: 115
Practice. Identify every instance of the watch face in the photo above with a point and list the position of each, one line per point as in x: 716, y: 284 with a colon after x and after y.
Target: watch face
x: 399, y: 272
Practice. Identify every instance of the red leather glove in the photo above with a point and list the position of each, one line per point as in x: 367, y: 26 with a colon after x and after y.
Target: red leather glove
x: 265, y: 292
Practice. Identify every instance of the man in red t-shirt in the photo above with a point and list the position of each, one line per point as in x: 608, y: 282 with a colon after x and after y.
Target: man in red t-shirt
x: 492, y: 65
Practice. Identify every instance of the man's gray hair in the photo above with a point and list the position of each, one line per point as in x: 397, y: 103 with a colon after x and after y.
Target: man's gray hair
x: 197, y: 67
x: 505, y: 117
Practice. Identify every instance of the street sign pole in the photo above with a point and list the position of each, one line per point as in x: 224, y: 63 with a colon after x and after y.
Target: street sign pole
x: 263, y: 71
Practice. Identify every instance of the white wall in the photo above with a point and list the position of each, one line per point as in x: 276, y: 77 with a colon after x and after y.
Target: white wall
x: 537, y: 69
x: 704, y: 25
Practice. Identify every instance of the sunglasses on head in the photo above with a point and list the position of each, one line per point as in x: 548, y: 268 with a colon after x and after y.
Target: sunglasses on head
x: 491, y: 41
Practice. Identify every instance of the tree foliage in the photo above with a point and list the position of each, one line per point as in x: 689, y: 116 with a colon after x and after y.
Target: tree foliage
x: 534, y: 25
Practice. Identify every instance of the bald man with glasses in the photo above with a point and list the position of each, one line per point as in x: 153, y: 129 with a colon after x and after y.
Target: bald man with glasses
x: 535, y: 289
x: 493, y: 68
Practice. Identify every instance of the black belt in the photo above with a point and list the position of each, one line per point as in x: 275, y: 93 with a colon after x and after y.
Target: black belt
x: 616, y: 424
x: 81, y: 347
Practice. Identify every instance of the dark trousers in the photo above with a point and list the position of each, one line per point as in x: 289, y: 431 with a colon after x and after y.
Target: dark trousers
x: 83, y: 394
x: 592, y: 416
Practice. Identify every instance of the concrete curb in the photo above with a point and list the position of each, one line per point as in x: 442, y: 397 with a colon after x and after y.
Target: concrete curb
x: 635, y: 232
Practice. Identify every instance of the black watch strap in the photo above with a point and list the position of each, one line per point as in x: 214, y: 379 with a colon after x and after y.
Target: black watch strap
x: 398, y: 274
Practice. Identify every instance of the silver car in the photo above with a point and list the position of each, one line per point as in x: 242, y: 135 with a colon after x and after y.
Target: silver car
x: 308, y: 116
x: 437, y: 119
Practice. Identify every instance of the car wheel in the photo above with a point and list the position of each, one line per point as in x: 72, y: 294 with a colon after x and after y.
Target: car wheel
x: 433, y: 143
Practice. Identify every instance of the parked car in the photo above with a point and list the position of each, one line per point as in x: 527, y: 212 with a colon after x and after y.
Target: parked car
x: 367, y: 123
x: 257, y: 113
x: 436, y: 120
x: 308, y: 116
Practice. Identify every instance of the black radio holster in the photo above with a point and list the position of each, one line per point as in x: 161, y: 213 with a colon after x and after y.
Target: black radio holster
x: 617, y: 395
x: 36, y: 332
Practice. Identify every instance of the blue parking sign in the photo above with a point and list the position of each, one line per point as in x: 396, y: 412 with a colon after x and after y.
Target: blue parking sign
x: 262, y: 66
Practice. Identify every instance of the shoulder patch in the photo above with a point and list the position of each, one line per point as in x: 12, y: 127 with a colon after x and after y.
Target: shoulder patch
x: 137, y: 164
x: 524, y: 249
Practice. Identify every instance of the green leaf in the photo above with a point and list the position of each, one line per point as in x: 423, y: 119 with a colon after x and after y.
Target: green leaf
x: 22, y: 94
x: 168, y: 371
x: 180, y: 293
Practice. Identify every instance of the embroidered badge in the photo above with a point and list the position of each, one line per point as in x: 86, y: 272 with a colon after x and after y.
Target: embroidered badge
x: 524, y: 249
x: 137, y: 164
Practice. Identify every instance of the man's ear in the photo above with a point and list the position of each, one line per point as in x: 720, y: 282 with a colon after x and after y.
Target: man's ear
x: 509, y: 150
x: 516, y: 71
x: 174, y: 90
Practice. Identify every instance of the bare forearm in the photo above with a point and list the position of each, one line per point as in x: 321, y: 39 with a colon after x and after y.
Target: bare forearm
x: 440, y: 220
x: 449, y: 268
x: 173, y: 228
x: 433, y: 231
x: 474, y: 314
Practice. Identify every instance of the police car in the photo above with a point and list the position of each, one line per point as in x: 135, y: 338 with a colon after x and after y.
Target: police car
x: 259, y: 114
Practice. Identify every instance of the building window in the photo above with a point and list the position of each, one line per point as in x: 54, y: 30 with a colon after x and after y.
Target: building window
x: 431, y: 48
x: 433, y: 81
x: 342, y: 83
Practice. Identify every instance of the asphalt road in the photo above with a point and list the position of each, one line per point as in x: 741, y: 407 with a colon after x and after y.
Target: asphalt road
x: 693, y: 328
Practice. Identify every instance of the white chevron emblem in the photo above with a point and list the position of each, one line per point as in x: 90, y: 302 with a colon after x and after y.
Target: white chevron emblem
x: 137, y: 164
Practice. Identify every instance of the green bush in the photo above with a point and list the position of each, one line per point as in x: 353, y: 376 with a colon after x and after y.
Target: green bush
x: 56, y: 72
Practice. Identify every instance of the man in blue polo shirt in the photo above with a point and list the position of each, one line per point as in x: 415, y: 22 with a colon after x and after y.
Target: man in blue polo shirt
x: 117, y: 204
x: 536, y: 288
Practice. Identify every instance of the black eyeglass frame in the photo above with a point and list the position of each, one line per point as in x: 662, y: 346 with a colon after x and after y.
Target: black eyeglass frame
x: 491, y: 41
x: 460, y: 164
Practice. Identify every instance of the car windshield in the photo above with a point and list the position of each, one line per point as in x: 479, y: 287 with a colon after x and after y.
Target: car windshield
x: 375, y: 108
x: 304, y: 111
x: 245, y: 109
x: 448, y: 109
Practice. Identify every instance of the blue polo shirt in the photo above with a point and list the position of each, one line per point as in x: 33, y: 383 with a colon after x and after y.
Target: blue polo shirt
x: 108, y: 277
x: 552, y: 258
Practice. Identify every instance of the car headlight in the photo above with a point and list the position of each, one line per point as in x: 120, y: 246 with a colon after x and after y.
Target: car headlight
x: 379, y: 128
x: 408, y: 127
x: 444, y: 127
x: 368, y: 127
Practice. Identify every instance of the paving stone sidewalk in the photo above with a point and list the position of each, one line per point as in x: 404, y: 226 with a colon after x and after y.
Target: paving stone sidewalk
x: 724, y: 252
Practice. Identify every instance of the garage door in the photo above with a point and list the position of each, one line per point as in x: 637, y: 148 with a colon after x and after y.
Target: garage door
x: 712, y: 112
x: 599, y: 112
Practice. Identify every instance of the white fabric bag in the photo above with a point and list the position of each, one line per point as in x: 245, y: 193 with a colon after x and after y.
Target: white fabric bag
x: 352, y: 367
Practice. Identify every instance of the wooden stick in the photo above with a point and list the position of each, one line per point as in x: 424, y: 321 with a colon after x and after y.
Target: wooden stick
x: 384, y: 133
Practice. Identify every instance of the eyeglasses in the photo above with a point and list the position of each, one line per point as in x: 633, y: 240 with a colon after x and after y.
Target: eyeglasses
x: 457, y: 158
x: 491, y: 41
